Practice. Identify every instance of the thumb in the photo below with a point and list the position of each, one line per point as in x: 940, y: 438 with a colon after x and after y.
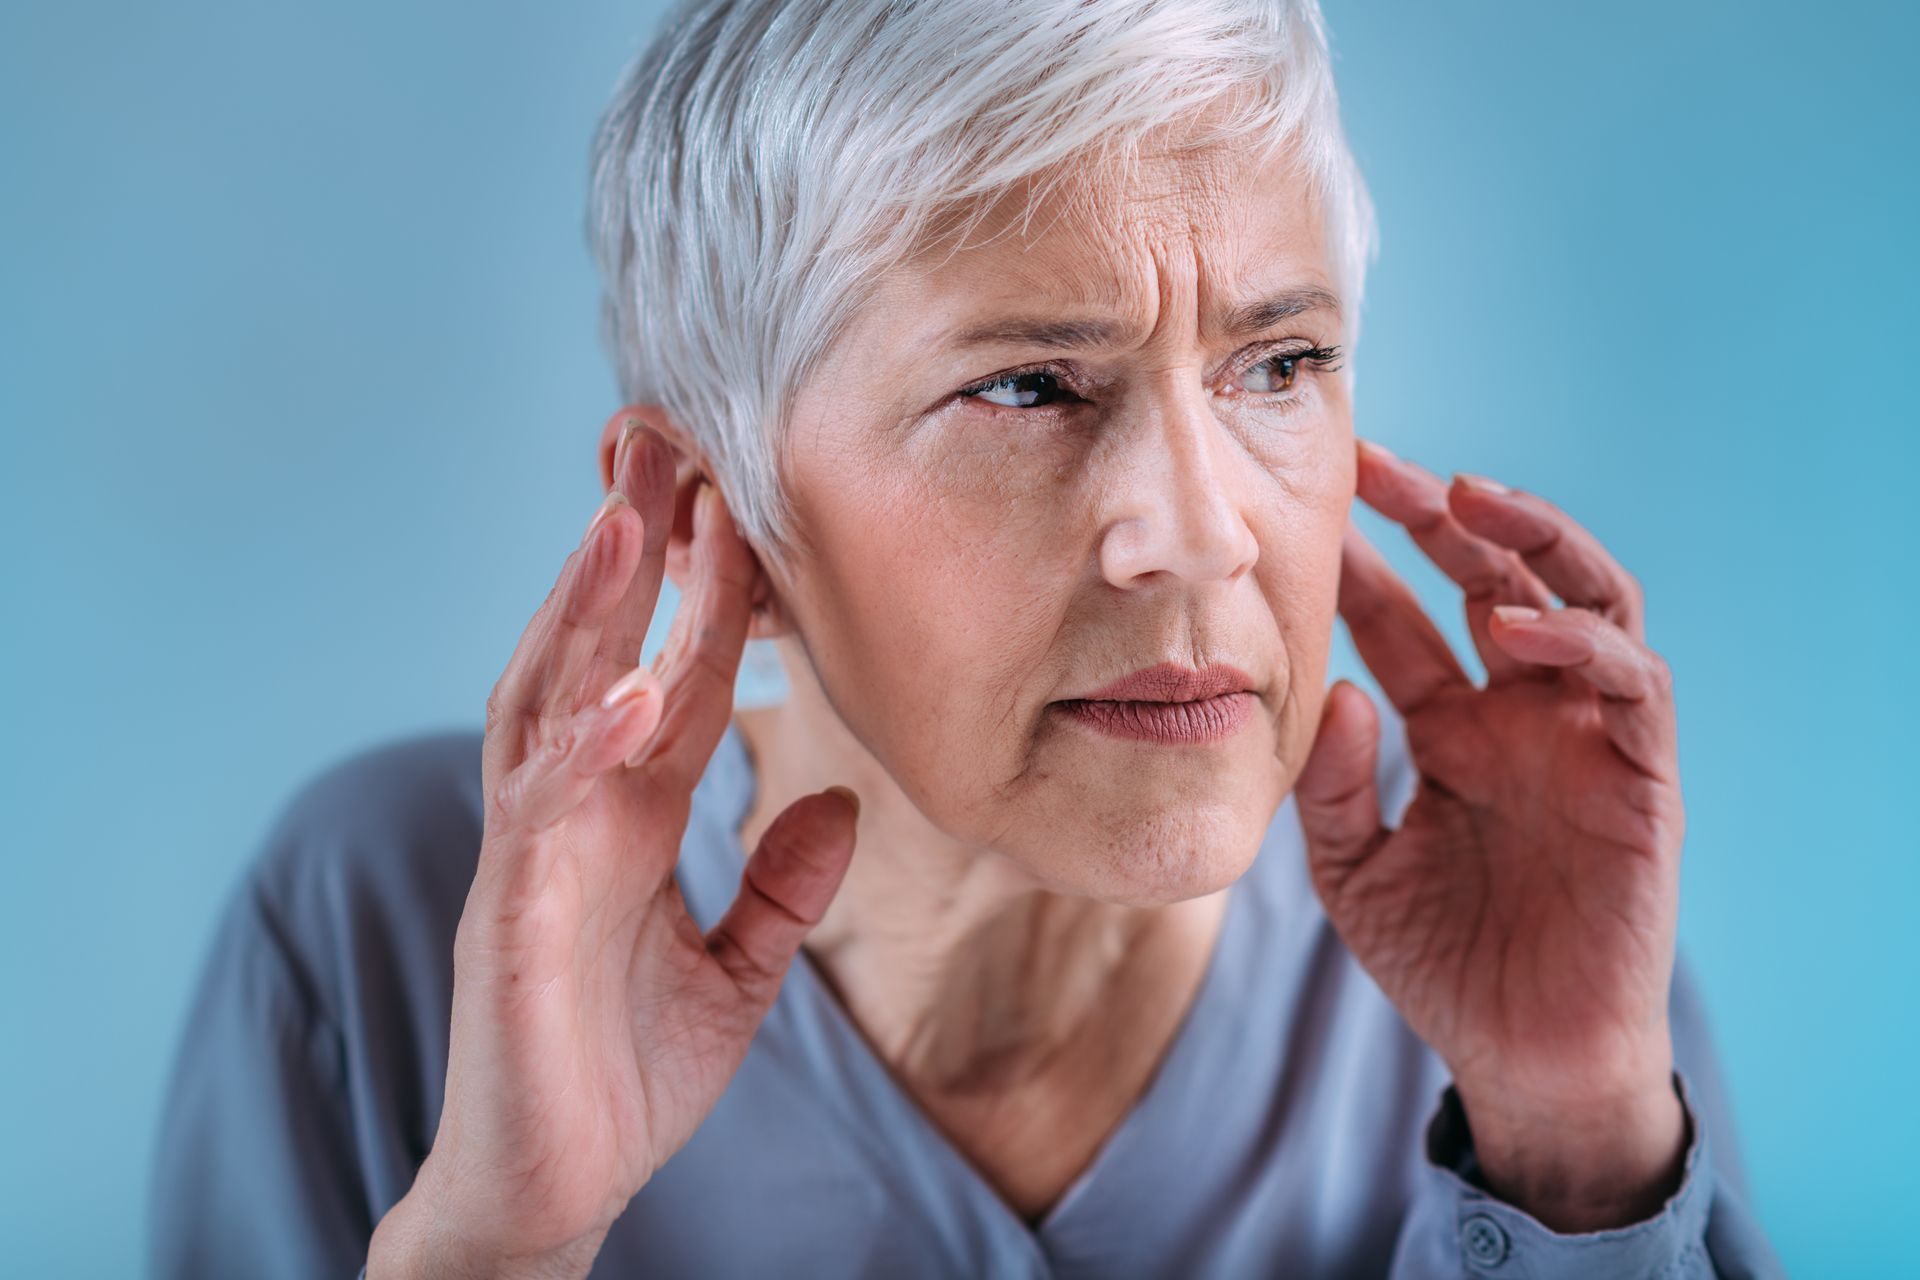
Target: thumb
x: 785, y: 889
x: 1339, y: 809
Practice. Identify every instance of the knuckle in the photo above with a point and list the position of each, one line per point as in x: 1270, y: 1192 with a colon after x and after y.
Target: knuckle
x: 1645, y: 796
x: 1487, y: 584
x: 745, y: 967
x: 560, y: 741
x: 787, y: 855
x: 1501, y: 581
x: 504, y: 801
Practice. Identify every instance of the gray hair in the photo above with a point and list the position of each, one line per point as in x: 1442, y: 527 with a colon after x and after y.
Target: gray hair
x: 763, y: 162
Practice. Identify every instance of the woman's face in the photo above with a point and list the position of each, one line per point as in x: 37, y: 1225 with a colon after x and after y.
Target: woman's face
x: 1161, y: 478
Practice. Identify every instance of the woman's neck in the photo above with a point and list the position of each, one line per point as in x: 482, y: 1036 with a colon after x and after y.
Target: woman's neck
x: 968, y: 976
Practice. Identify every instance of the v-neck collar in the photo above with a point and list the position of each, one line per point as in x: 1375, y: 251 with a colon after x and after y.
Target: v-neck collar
x: 809, y: 1025
x: 1173, y: 1074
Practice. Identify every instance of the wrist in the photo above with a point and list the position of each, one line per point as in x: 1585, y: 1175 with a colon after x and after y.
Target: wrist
x: 417, y: 1240
x: 1582, y: 1165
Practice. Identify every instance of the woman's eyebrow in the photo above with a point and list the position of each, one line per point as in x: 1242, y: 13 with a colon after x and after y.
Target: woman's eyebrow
x: 1022, y: 331
x: 1285, y: 305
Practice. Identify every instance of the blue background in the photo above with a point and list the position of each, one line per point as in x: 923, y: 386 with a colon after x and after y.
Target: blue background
x: 300, y: 387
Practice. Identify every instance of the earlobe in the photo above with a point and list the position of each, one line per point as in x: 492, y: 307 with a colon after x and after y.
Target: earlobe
x: 768, y: 620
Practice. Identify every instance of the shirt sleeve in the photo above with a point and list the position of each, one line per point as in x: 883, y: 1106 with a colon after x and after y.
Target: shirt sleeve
x: 255, y: 1174
x: 1455, y: 1227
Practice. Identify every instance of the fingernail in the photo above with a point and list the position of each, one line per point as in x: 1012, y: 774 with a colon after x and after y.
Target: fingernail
x: 630, y: 685
x: 852, y: 799
x: 613, y: 499
x: 1515, y: 613
x: 1379, y: 451
x: 620, y: 444
x: 1481, y: 483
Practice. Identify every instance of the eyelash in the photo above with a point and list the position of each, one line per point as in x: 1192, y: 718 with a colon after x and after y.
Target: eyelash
x: 1321, y: 358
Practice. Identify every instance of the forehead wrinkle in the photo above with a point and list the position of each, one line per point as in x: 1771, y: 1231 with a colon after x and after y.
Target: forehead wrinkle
x: 1087, y: 291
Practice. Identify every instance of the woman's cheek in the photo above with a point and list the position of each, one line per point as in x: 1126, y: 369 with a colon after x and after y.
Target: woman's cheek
x: 1309, y: 447
x: 952, y: 557
x: 1000, y: 498
x: 974, y: 454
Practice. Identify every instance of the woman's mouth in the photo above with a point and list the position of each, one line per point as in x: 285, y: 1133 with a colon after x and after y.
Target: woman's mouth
x: 1199, y: 721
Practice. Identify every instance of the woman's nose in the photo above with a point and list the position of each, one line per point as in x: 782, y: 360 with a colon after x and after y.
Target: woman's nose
x: 1178, y: 509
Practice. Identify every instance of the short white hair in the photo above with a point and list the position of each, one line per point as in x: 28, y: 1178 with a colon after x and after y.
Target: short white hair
x: 763, y: 162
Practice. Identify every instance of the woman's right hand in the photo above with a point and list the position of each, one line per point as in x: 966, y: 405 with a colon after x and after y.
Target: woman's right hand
x: 594, y: 1026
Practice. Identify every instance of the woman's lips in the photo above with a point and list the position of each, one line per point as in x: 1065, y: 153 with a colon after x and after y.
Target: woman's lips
x: 1171, y: 682
x: 1198, y: 721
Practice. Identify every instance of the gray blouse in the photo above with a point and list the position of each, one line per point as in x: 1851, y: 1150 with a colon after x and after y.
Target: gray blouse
x: 1295, y: 1126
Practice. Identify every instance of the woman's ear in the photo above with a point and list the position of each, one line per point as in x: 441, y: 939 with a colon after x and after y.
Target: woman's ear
x: 688, y: 469
x: 769, y: 619
x: 686, y: 453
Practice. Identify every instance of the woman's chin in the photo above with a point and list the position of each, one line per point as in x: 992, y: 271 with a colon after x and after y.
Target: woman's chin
x: 1149, y: 856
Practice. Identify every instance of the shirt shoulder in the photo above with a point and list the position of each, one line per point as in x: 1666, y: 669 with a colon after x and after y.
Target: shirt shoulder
x: 309, y: 1072
x: 365, y: 870
x: 420, y: 792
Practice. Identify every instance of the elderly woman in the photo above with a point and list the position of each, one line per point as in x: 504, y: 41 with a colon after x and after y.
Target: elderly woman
x: 992, y: 360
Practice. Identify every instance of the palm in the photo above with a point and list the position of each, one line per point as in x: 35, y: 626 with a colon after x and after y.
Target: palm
x: 1521, y: 913
x: 631, y: 1028
x: 594, y: 1024
x: 1503, y: 912
x: 676, y: 1031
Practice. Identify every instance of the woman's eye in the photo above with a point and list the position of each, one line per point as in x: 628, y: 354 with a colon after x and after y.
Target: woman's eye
x: 1017, y: 390
x: 1040, y: 388
x: 1278, y: 372
x: 1275, y: 373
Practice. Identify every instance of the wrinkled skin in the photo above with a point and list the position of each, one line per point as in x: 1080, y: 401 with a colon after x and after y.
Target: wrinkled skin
x: 1177, y: 493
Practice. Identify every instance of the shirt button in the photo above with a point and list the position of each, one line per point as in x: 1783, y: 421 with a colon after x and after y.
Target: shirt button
x: 1484, y: 1240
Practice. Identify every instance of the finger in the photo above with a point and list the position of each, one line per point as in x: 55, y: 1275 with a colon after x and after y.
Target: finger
x: 784, y: 891
x: 575, y: 635
x: 701, y: 659
x: 1488, y: 574
x: 1397, y: 640
x: 562, y: 771
x: 1568, y: 559
x: 534, y: 690
x: 1635, y: 683
x: 643, y: 470
x: 1335, y: 792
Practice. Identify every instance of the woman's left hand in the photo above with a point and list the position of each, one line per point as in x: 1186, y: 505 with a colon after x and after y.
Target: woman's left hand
x: 1521, y: 916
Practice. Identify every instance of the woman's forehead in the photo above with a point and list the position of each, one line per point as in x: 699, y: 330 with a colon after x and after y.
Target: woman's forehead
x: 1212, y: 194
x: 1243, y: 246
x: 1218, y: 198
